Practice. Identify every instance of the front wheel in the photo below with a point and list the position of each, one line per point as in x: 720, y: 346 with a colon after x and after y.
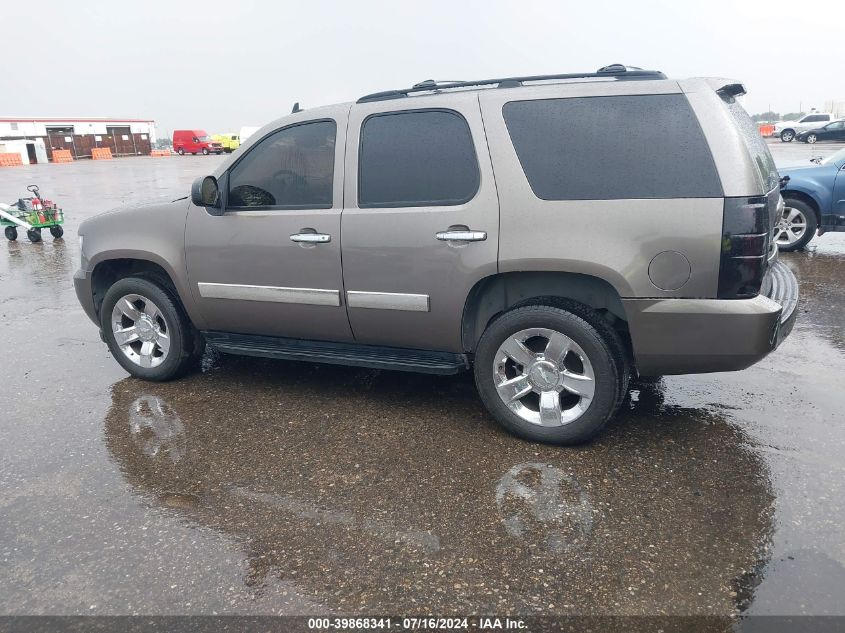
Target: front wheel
x: 146, y: 329
x: 787, y: 135
x: 549, y: 375
x: 205, y: 151
x: 11, y: 233
x: 34, y: 235
x: 57, y: 231
x: 811, y: 138
x: 796, y: 226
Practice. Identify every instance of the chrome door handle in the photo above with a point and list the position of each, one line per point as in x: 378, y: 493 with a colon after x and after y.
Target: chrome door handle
x: 311, y: 238
x: 461, y: 236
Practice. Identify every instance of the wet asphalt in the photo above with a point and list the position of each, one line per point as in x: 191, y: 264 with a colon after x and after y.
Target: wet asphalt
x: 271, y: 487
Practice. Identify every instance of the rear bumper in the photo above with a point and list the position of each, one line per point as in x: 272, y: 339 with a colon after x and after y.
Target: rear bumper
x: 692, y: 336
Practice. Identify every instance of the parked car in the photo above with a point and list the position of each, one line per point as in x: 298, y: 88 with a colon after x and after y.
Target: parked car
x: 445, y: 227
x: 831, y: 132
x: 194, y: 142
x: 814, y: 198
x: 788, y: 129
x: 230, y: 142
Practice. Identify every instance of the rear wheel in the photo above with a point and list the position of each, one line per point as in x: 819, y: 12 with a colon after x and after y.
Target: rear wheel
x: 550, y: 375
x: 787, y: 135
x: 797, y: 225
x: 181, y: 151
x: 11, y: 233
x: 147, y: 330
x: 34, y: 235
x: 57, y: 231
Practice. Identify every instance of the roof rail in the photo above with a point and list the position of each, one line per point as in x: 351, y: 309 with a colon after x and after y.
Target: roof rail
x: 616, y: 71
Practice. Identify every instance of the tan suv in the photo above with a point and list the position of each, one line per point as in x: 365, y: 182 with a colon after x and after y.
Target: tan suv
x: 557, y: 233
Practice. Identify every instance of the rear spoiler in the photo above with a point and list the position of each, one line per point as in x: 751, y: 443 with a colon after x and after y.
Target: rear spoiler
x: 725, y: 87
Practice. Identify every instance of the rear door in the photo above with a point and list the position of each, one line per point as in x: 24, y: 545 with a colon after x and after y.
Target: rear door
x: 420, y: 221
x: 270, y: 264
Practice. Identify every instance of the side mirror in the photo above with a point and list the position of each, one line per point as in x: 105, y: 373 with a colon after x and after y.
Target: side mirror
x: 204, y: 192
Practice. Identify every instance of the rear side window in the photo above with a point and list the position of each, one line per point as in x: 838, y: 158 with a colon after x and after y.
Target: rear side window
x: 290, y: 169
x: 602, y: 148
x: 416, y: 158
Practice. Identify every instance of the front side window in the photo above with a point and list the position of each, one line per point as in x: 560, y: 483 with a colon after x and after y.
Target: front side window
x: 620, y: 147
x: 290, y: 169
x: 416, y: 158
x: 838, y: 125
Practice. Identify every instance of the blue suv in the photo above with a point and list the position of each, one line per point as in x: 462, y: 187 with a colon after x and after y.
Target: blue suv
x: 814, y: 198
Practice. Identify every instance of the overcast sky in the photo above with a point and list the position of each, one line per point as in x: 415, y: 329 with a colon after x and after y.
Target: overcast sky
x: 221, y: 65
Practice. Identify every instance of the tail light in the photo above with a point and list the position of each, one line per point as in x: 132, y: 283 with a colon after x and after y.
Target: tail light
x: 746, y: 238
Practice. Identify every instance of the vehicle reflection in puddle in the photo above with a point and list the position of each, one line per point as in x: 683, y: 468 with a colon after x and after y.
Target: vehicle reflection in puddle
x: 372, y: 491
x: 539, y: 501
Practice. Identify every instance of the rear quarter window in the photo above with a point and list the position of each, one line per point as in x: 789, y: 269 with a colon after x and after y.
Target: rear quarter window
x: 620, y: 147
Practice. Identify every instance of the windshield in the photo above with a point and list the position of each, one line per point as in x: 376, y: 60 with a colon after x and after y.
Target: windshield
x: 834, y: 159
x: 204, y: 138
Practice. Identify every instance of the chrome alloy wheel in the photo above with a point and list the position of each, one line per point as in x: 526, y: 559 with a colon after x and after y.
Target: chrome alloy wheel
x: 544, y: 377
x: 140, y: 330
x: 791, y: 227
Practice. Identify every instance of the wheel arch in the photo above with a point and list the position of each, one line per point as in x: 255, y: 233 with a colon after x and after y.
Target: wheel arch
x: 107, y: 271
x: 806, y: 198
x: 497, y: 293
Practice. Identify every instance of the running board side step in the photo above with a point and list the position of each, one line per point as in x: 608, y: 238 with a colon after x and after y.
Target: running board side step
x: 375, y: 357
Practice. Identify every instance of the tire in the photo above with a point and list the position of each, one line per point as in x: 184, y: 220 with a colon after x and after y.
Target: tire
x: 34, y: 235
x: 11, y: 233
x: 181, y: 151
x: 795, y: 213
x: 152, y: 297
x: 205, y: 151
x: 57, y: 231
x: 811, y: 139
x: 595, y: 351
x: 787, y: 136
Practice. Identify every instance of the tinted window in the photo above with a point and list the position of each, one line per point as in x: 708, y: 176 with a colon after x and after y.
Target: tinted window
x: 754, y: 142
x: 838, y: 125
x: 599, y: 148
x: 418, y: 158
x: 290, y: 169
x: 813, y: 118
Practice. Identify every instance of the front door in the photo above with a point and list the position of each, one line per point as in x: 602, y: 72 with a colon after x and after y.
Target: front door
x: 421, y: 219
x: 836, y: 221
x: 270, y: 264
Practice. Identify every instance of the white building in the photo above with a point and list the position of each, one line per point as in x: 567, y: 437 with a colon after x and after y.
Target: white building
x: 125, y: 137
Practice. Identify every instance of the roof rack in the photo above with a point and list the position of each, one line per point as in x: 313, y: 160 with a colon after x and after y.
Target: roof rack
x: 616, y: 71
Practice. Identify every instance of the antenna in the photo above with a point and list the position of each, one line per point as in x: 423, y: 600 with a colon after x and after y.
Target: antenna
x: 296, y: 108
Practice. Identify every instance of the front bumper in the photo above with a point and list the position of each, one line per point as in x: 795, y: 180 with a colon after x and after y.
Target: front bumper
x: 693, y: 336
x: 85, y: 294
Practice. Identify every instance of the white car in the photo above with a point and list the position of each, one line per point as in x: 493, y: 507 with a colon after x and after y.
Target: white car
x: 788, y: 129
